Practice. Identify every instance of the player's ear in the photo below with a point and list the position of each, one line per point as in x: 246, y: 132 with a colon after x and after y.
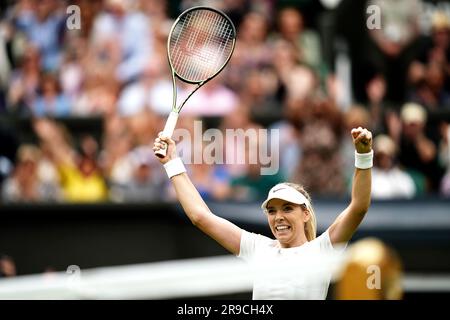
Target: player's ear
x: 306, y: 214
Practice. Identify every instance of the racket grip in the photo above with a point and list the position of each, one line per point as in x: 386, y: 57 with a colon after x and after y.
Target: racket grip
x: 167, y: 132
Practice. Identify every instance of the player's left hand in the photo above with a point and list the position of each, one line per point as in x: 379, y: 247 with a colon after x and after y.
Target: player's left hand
x: 362, y: 139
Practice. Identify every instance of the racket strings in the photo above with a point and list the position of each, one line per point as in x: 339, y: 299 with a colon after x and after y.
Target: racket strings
x: 203, y: 31
x: 200, y: 44
x: 191, y: 64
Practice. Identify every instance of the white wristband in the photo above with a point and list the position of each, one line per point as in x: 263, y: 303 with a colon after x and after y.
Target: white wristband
x: 174, y: 167
x: 364, y: 160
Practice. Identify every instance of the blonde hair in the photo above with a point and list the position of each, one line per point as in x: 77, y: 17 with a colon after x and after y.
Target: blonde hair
x: 311, y: 224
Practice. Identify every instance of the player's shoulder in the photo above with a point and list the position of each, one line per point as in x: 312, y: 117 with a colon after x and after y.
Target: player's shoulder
x: 323, y: 239
x: 324, y: 242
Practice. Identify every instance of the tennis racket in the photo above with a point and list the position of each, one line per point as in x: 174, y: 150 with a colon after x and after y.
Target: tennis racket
x: 200, y: 44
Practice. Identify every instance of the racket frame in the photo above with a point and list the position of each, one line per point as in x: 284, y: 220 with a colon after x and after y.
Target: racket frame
x: 173, y: 116
x: 201, y: 82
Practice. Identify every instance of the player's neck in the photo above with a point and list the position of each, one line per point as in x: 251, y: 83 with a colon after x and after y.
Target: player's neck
x: 297, y: 242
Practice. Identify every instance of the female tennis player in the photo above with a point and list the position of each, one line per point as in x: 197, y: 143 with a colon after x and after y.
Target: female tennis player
x: 291, y: 219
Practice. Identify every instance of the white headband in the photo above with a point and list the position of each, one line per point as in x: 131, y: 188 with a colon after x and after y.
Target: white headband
x: 285, y: 192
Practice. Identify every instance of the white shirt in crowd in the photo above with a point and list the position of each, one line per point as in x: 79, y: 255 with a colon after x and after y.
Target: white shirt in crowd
x: 392, y: 184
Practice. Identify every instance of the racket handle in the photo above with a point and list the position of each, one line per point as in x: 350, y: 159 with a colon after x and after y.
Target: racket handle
x: 167, y: 132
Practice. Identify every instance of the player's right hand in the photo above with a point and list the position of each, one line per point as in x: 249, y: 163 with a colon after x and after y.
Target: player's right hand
x: 171, y: 148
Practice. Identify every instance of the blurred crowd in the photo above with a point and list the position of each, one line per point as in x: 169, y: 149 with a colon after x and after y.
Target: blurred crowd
x: 281, y: 76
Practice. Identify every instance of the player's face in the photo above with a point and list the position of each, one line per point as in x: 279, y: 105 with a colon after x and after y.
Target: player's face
x: 287, y: 221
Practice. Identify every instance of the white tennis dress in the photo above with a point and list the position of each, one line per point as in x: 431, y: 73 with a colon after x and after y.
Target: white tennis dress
x: 307, y: 280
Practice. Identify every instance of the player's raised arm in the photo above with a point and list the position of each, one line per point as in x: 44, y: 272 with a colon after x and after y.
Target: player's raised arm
x: 348, y: 221
x: 223, y: 231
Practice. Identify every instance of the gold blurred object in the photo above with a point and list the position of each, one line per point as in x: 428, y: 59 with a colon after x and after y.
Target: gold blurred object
x: 373, y: 271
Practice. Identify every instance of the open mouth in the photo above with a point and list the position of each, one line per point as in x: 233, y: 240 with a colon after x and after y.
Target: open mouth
x: 281, y: 228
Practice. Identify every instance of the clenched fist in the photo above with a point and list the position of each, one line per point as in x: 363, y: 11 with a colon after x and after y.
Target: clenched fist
x: 362, y: 139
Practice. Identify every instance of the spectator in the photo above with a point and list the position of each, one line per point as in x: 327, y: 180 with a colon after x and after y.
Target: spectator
x: 214, y: 99
x: 418, y: 154
x: 284, y: 60
x: 25, y: 184
x: 430, y: 91
x: 392, y: 49
x: 116, y: 163
x: 129, y: 33
x: 251, y: 51
x: 436, y: 49
x: 44, y: 25
x: 211, y: 180
x: 143, y: 126
x: 71, y: 73
x: 290, y: 147
x: 389, y: 181
x: 143, y: 185
x: 376, y: 93
x: 291, y: 27
x: 253, y: 186
x: 51, y: 101
x: 252, y: 36
x: 151, y: 90
x: 234, y: 149
x: 97, y: 98
x: 24, y: 83
x: 301, y: 82
x: 320, y: 135
x: 88, y: 12
x: 259, y: 91
x: 211, y: 177
x: 80, y: 175
x: 157, y: 12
